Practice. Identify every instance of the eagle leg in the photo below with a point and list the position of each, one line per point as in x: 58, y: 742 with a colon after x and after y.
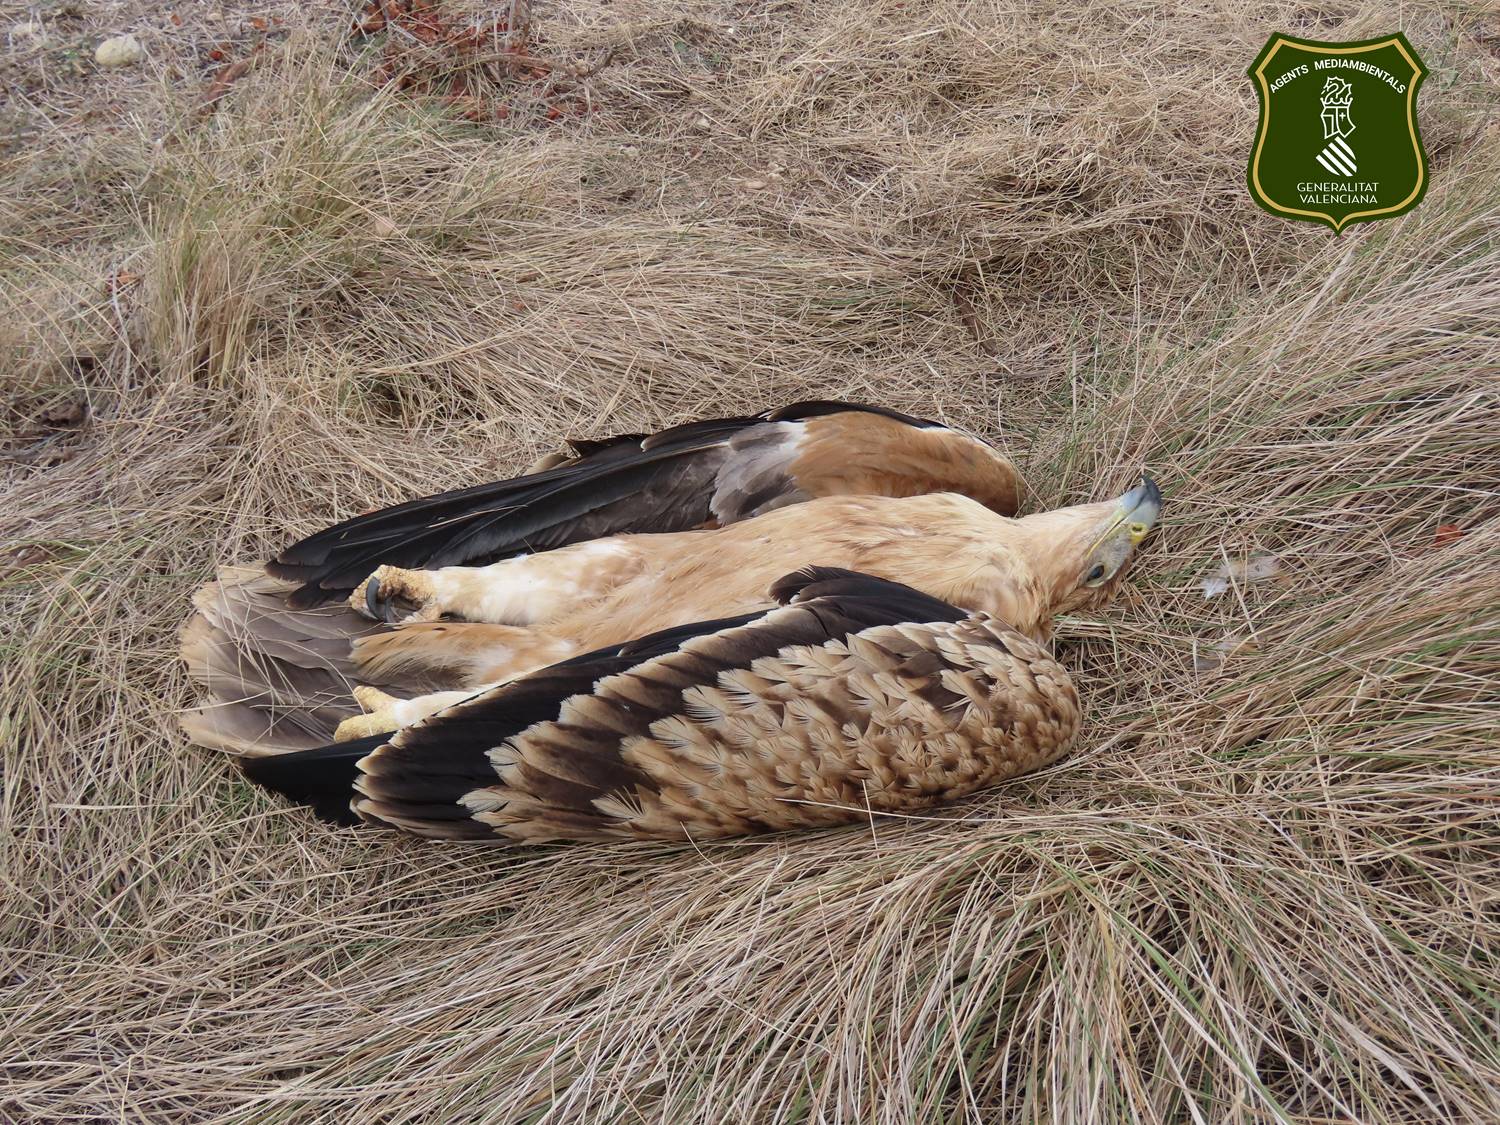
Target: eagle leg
x: 524, y: 590
x: 470, y: 652
x: 393, y: 714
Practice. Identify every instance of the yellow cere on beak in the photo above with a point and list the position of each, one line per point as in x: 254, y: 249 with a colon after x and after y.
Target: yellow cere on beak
x: 1140, y: 508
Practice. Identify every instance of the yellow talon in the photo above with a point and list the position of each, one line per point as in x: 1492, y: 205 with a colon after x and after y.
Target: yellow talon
x: 373, y: 699
x: 362, y: 726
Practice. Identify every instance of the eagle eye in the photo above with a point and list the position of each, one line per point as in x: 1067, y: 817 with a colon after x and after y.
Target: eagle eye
x: 1095, y: 574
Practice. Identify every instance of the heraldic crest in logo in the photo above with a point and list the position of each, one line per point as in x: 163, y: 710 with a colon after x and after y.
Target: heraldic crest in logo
x: 1338, y: 140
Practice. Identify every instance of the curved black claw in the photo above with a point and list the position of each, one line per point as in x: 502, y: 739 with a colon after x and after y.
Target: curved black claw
x: 382, y: 605
x: 373, y: 605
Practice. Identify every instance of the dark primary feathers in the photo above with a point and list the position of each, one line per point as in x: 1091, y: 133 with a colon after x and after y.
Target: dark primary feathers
x: 720, y: 470
x: 853, y: 693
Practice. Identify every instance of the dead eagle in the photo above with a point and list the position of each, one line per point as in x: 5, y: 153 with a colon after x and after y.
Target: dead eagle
x: 647, y: 684
x: 855, y: 694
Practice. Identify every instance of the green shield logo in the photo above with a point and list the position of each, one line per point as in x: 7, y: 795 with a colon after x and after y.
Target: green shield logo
x: 1338, y: 140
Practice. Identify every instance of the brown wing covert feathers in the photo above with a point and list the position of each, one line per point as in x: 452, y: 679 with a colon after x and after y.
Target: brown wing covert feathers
x: 896, y: 719
x: 747, y: 729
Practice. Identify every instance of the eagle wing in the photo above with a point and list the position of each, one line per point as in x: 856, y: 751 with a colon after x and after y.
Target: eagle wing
x: 720, y: 470
x: 852, y: 694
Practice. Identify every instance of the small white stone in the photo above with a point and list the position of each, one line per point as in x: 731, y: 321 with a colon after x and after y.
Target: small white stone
x: 122, y: 50
x: 703, y: 124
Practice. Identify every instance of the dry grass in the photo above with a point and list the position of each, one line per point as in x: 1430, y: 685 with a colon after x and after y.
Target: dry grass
x: 1263, y: 891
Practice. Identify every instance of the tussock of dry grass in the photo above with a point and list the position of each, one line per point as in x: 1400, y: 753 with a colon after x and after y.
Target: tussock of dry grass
x: 1262, y: 891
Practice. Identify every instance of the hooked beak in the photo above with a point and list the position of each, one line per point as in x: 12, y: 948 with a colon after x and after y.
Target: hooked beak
x: 1142, y: 507
x: 1136, y: 512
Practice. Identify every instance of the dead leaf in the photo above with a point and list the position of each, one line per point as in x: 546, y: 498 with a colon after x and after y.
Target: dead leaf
x: 1447, y: 533
x: 222, y: 81
x: 22, y: 558
x: 65, y: 415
